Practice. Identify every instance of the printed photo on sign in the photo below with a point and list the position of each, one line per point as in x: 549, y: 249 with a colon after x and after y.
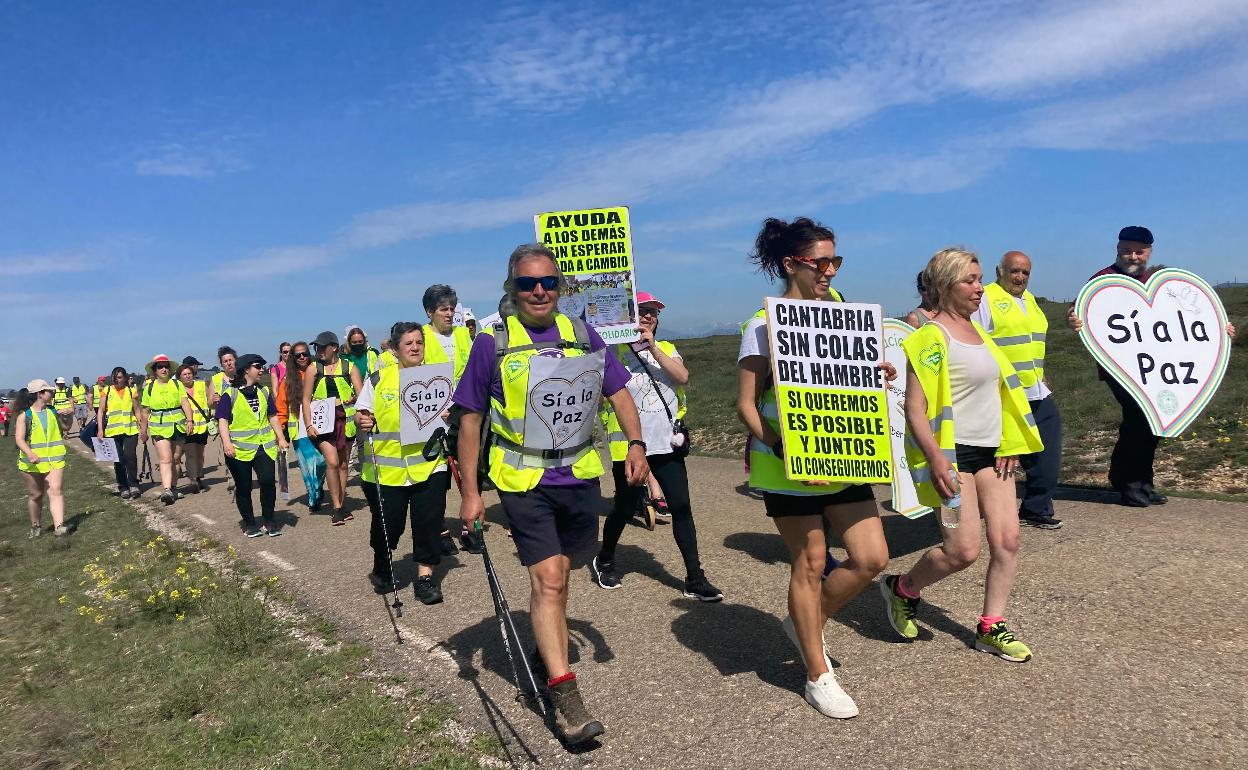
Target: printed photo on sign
x: 829, y: 390
x: 1164, y: 341
x: 905, y: 499
x: 595, y: 253
x: 562, y: 403
x: 105, y: 450
x: 424, y: 396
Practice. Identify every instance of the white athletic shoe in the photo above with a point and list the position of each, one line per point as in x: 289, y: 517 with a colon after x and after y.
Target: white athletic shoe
x: 791, y: 632
x: 829, y: 699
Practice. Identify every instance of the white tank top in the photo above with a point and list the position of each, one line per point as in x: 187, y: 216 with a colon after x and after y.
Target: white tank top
x: 974, y: 384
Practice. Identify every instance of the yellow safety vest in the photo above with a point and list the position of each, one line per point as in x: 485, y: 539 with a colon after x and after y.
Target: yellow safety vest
x: 119, y: 418
x: 616, y: 440
x: 511, y: 469
x: 164, y: 399
x: 342, y: 370
x: 220, y: 383
x: 927, y: 352
x: 98, y: 391
x: 47, y: 444
x: 434, y: 353
x: 835, y: 295
x: 386, y: 358
x: 1020, y: 336
x: 79, y: 394
x: 766, y: 468
x: 397, y: 463
x: 61, y: 400
x: 200, y: 411
x: 251, y: 431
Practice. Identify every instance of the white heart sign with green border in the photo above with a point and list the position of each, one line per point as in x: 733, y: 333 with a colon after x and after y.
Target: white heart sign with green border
x: 1163, y: 340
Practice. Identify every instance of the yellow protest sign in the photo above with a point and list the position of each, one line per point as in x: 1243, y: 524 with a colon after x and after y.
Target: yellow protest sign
x: 595, y: 252
x: 831, y: 396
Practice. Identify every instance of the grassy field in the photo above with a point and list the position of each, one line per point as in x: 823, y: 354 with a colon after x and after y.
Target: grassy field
x: 119, y: 649
x: 1211, y: 457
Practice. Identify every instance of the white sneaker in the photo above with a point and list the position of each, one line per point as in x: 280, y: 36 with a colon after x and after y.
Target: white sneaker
x: 829, y: 699
x: 791, y: 632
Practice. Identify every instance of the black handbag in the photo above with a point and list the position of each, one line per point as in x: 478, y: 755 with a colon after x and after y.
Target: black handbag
x: 678, y: 425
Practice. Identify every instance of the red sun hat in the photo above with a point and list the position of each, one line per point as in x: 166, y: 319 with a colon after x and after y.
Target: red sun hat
x: 646, y: 298
x: 158, y: 359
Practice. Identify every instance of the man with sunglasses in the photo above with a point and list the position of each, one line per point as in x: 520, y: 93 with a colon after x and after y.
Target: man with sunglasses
x: 540, y: 376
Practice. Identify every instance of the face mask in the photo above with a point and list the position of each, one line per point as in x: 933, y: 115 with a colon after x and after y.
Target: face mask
x: 357, y: 350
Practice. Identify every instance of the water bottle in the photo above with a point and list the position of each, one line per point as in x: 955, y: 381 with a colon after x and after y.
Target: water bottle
x: 951, y: 511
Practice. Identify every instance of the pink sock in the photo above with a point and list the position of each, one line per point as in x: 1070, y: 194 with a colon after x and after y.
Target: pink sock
x: 904, y: 588
x: 988, y: 621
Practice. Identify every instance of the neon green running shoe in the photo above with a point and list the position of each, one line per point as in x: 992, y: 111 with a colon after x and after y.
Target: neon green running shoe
x: 1000, y: 642
x: 900, y: 610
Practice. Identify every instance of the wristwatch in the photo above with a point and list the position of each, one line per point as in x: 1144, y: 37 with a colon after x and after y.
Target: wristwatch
x: 637, y: 442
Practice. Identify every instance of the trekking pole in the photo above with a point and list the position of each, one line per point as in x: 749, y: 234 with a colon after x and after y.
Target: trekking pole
x: 385, y: 532
x: 145, y: 468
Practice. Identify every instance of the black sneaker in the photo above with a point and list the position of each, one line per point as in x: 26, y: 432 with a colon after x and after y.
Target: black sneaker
x: 253, y: 531
x: 1039, y: 521
x: 381, y: 583
x: 701, y: 589
x: 339, y: 518
x: 272, y: 530
x: 427, y: 591
x: 166, y: 497
x: 448, y: 545
x: 604, y: 574
x: 471, y: 541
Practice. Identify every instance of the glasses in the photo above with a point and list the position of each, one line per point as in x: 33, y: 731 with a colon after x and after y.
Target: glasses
x: 303, y: 354
x: 822, y: 263
x: 285, y: 351
x: 649, y: 310
x: 528, y: 283
x: 161, y: 366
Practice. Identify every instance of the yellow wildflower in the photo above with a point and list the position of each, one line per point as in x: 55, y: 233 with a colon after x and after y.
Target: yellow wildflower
x: 180, y: 571
x: 180, y: 616
x: 151, y: 598
x: 61, y: 599
x: 175, y: 594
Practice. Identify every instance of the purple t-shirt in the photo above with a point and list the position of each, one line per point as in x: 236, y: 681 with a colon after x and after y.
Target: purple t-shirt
x: 478, y: 383
x: 225, y: 407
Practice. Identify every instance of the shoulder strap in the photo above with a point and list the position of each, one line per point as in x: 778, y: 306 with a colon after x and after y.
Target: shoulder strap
x: 30, y: 416
x: 375, y: 378
x: 658, y: 391
x: 150, y: 383
x: 191, y: 397
x: 502, y: 336
x: 581, y: 332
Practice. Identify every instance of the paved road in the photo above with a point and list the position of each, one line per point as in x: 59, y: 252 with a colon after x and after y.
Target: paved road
x: 1136, y: 618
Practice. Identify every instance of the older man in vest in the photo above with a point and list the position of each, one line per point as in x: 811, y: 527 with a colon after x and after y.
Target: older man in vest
x: 1008, y: 312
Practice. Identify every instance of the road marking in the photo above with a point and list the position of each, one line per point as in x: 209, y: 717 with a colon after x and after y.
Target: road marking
x: 276, y: 561
x: 203, y: 518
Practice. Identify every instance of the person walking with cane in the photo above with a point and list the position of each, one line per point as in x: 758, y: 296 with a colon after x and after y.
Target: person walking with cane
x: 40, y: 456
x: 401, y: 480
x: 250, y: 435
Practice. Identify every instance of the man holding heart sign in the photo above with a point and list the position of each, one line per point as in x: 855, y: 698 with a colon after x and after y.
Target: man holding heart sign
x: 1131, y: 464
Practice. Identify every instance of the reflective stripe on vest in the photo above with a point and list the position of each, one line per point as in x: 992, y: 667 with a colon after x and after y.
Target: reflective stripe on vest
x: 251, y: 431
x: 79, y: 394
x: 49, y: 445
x: 119, y: 418
x: 164, y: 399
x: 766, y: 469
x: 616, y: 439
x: 61, y: 399
x: 1021, y: 336
x: 510, y: 470
x: 396, y: 463
x: 343, y: 383
x: 927, y: 353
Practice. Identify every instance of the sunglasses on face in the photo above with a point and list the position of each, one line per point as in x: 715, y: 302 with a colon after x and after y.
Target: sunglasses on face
x: 303, y: 354
x: 821, y: 264
x: 644, y: 310
x: 161, y: 366
x: 285, y: 351
x: 527, y: 283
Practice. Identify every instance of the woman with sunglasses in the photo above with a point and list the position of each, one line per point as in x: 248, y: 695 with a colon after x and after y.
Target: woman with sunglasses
x: 251, y: 437
x: 802, y: 254
x: 40, y: 455
x: 336, y: 378
x: 401, y: 480
x: 118, y: 418
x: 311, y: 464
x: 657, y: 384
x: 166, y: 414
x: 194, y: 439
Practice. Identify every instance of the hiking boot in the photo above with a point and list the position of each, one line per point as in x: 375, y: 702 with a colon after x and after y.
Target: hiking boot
x: 64, y: 530
x: 472, y: 542
x: 35, y: 531
x: 1038, y: 521
x: 826, y: 695
x: 381, y: 583
x: 448, y: 545
x: 604, y: 574
x: 339, y: 518
x: 572, y: 719
x: 251, y: 530
x: 701, y: 589
x: 899, y: 609
x: 427, y: 591
x: 791, y: 631
x: 166, y: 497
x: 998, y: 640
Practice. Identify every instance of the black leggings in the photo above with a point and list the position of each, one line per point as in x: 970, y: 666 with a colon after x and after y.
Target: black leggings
x: 127, y: 471
x: 425, y: 503
x: 669, y: 471
x: 263, y: 465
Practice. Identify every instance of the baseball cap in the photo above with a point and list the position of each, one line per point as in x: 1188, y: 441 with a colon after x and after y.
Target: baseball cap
x: 60, y: 380
x: 192, y: 361
x: 325, y: 338
x: 645, y: 297
x: 248, y: 360
x: 38, y: 386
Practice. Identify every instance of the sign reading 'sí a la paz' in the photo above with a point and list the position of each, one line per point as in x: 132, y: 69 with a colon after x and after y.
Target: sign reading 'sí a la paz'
x: 595, y: 252
x: 1163, y: 340
x: 829, y: 390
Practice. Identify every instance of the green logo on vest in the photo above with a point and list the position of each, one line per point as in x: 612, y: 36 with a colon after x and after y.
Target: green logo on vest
x: 514, y: 368
x: 933, y: 356
x: 1004, y: 305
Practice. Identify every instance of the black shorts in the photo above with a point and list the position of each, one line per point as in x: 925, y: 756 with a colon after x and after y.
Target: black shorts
x: 176, y: 438
x: 783, y: 506
x: 553, y: 521
x: 194, y: 438
x: 973, y: 459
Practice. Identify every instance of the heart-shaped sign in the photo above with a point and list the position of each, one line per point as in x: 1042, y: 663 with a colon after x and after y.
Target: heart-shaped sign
x: 566, y: 408
x: 426, y: 400
x: 1163, y: 340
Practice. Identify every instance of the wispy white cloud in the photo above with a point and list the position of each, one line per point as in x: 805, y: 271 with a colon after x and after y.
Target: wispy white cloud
x: 178, y: 160
x: 22, y: 265
x: 273, y: 263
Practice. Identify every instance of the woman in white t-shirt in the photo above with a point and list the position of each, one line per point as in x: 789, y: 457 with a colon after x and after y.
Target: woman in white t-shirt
x: 802, y: 254
x: 657, y: 387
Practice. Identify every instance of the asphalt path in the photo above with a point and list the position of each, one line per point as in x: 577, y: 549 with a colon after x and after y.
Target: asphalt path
x: 1136, y: 619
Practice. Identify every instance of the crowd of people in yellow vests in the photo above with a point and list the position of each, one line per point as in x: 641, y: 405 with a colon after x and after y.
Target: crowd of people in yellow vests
x: 975, y: 413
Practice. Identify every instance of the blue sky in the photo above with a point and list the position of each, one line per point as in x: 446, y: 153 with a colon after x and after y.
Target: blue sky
x: 250, y: 172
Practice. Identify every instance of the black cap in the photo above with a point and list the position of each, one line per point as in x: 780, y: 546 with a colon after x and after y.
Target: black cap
x: 248, y: 360
x: 1137, y: 234
x: 325, y: 338
x: 191, y: 361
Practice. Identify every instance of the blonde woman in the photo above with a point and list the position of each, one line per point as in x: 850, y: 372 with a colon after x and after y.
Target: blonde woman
x: 967, y: 423
x: 40, y: 455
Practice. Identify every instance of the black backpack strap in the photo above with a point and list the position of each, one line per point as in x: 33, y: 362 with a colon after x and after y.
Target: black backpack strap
x: 581, y: 332
x: 375, y: 378
x: 502, y: 335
